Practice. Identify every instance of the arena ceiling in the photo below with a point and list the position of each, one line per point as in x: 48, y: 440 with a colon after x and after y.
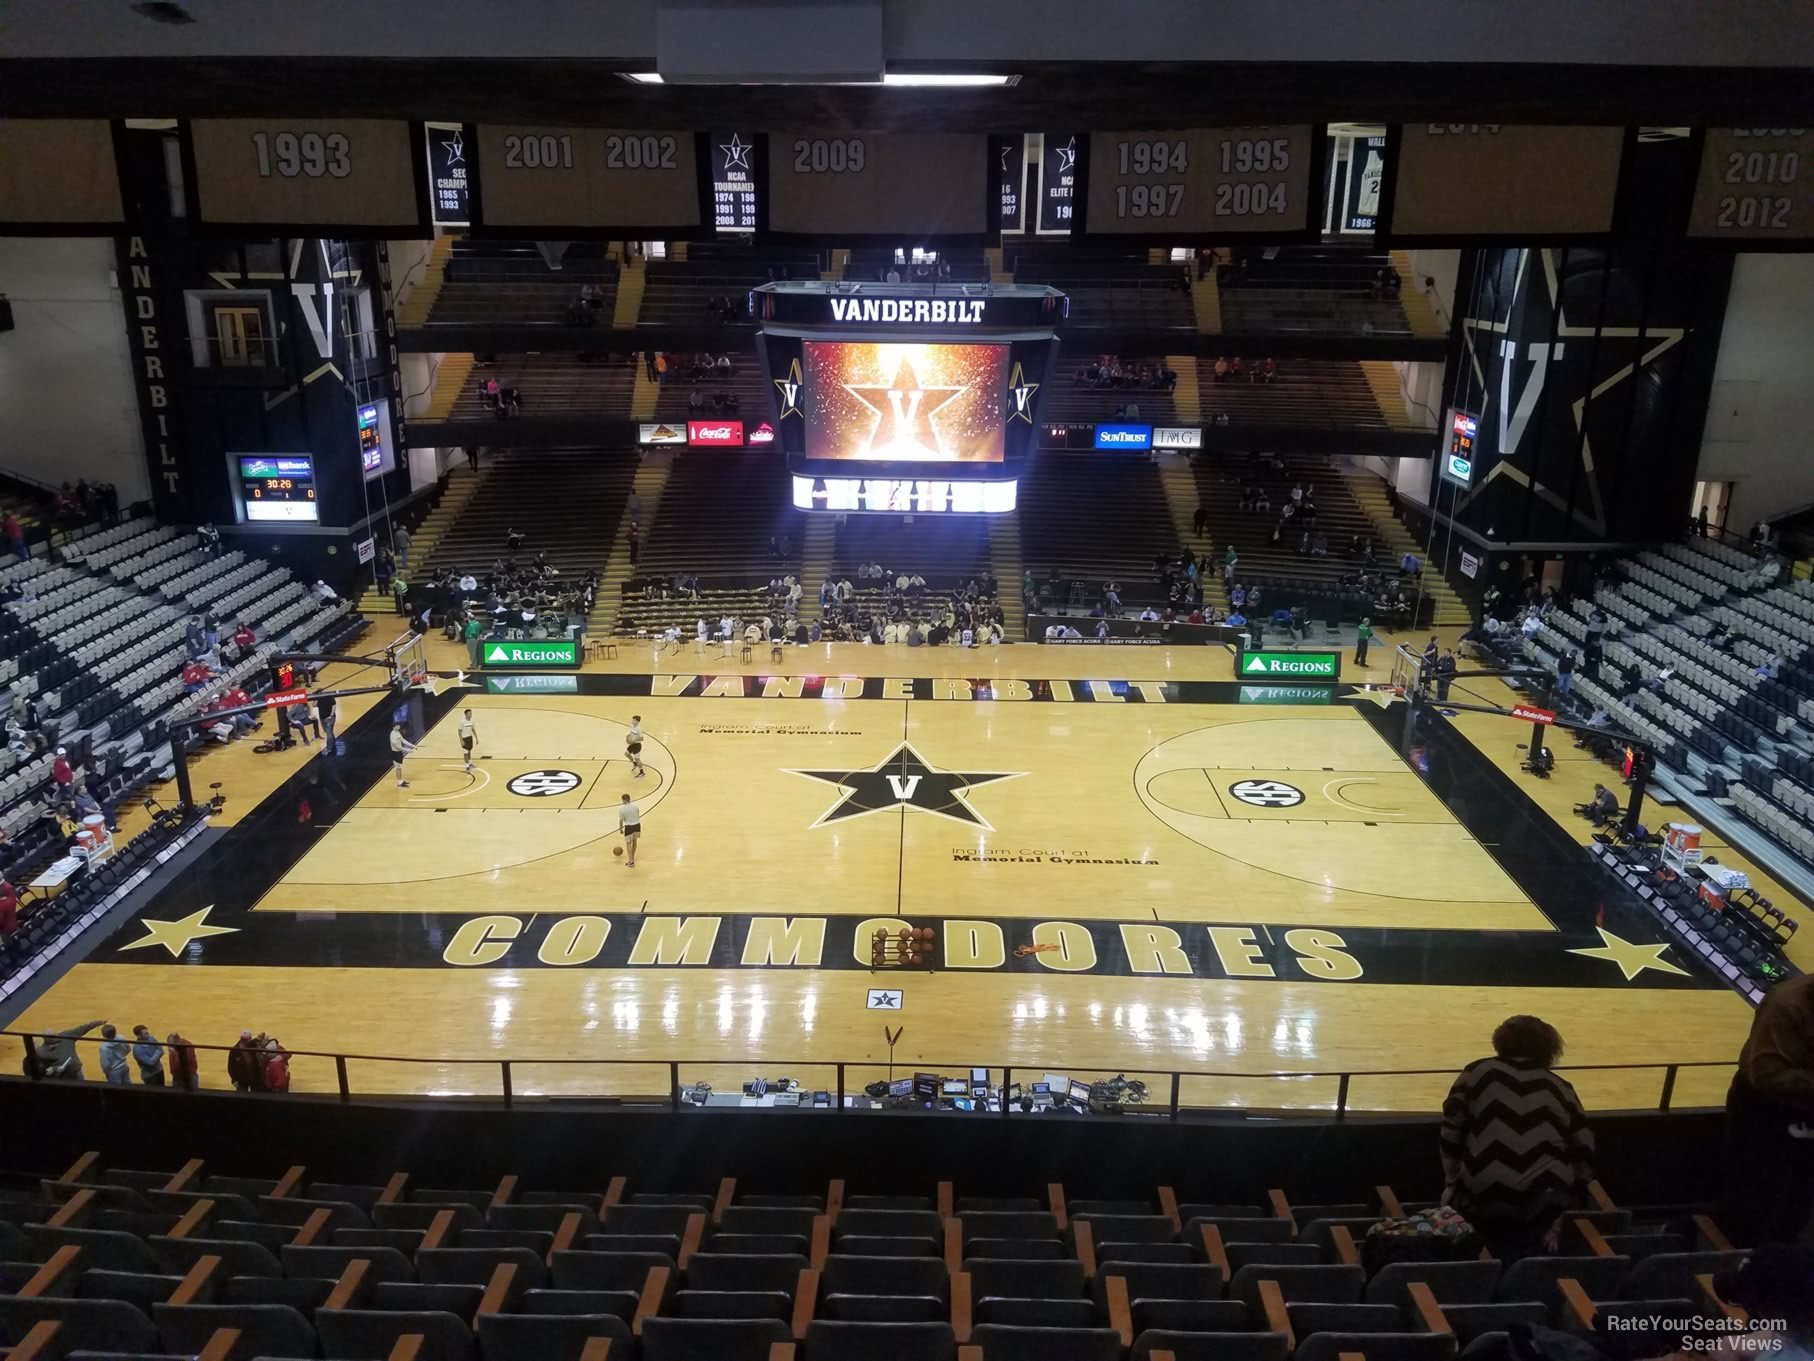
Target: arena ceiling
x: 1076, y: 63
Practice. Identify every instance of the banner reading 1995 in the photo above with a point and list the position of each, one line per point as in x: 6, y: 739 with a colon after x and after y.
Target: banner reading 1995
x: 1204, y: 183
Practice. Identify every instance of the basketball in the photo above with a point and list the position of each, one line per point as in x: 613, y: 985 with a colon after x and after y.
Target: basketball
x: 617, y: 850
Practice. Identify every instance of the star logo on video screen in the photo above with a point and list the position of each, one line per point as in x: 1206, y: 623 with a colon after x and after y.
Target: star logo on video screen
x: 456, y: 150
x: 789, y: 388
x: 905, y: 780
x: 1022, y: 392
x: 1067, y: 156
x: 904, y: 410
x: 736, y: 153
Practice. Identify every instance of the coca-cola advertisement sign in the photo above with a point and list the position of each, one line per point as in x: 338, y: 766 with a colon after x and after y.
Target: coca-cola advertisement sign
x: 722, y: 434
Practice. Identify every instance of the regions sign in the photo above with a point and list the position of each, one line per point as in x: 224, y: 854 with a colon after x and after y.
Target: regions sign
x: 552, y: 652
x: 1289, y: 665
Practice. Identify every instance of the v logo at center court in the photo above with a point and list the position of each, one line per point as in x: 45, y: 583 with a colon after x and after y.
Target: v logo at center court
x: 906, y: 780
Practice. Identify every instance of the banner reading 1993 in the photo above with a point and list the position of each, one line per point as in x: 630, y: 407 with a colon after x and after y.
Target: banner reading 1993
x: 1198, y: 182
x: 882, y: 185
x: 353, y: 175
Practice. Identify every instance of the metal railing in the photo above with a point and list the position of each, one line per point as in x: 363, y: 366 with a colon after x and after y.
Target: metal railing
x: 1170, y: 1094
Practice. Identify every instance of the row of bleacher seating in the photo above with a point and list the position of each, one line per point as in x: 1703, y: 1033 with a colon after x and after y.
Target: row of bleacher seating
x: 1320, y: 290
x: 124, y: 1260
x: 553, y: 386
x: 872, y: 264
x: 1703, y: 612
x: 100, y: 650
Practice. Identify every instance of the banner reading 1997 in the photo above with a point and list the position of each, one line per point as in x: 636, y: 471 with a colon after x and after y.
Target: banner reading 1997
x: 1207, y: 183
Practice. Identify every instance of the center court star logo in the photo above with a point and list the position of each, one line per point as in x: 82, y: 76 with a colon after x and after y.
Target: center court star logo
x: 905, y: 780
x: 904, y: 410
x: 737, y: 154
x: 1631, y: 957
x: 175, y: 936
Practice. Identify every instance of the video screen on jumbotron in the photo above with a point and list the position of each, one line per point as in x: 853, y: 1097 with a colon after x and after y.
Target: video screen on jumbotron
x: 904, y: 403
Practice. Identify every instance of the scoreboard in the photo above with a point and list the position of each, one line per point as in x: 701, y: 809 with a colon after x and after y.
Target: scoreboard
x: 880, y: 185
x: 1201, y: 184
x: 1756, y: 185
x: 58, y: 173
x: 277, y: 487
x: 590, y: 179
x: 1488, y: 179
x: 362, y: 174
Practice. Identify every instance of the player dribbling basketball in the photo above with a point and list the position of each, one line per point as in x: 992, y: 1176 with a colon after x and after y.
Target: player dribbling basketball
x: 629, y: 818
x: 469, y: 737
x: 633, y: 749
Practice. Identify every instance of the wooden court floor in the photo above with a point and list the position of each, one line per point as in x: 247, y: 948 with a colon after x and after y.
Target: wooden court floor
x: 1130, y: 863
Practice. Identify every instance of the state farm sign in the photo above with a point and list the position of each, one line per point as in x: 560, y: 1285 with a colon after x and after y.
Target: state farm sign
x: 728, y: 434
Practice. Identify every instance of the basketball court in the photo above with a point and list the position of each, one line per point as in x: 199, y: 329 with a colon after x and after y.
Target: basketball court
x: 1120, y: 875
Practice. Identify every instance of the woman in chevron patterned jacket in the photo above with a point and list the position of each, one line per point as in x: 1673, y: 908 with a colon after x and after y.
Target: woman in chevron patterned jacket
x: 1515, y: 1141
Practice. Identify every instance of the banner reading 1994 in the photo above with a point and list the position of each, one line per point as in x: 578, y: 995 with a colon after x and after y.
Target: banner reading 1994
x: 1205, y: 183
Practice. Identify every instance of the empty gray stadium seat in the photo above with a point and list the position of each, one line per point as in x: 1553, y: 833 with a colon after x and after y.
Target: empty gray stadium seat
x: 1001, y: 1342
x: 1449, y: 1282
x: 264, y: 1329
x: 371, y: 1334
x: 573, y: 1270
x: 829, y: 1340
x: 697, y: 1339
x: 1211, y: 1346
x: 98, y: 1325
x: 1324, y: 1284
x: 330, y: 1263
x: 846, y: 1275
x: 549, y: 1337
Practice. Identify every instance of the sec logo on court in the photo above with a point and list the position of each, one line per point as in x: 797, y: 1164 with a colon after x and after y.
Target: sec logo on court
x: 1267, y: 793
x: 543, y: 784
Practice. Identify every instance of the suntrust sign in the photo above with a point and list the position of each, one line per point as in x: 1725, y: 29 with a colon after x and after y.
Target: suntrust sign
x: 910, y: 311
x: 1124, y: 437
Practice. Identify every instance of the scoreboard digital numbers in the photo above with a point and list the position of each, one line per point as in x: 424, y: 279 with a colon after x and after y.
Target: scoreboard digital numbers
x: 588, y: 178
x: 277, y: 487
x: 1755, y: 184
x: 58, y: 172
x: 891, y: 185
x: 1489, y: 179
x: 321, y: 172
x: 1210, y: 182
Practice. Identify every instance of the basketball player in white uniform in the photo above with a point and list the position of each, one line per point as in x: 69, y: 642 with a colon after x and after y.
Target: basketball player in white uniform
x: 629, y: 818
x: 469, y: 737
x: 633, y: 748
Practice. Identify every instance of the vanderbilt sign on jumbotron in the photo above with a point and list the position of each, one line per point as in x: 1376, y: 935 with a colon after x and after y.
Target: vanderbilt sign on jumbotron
x: 910, y: 311
x: 929, y: 306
